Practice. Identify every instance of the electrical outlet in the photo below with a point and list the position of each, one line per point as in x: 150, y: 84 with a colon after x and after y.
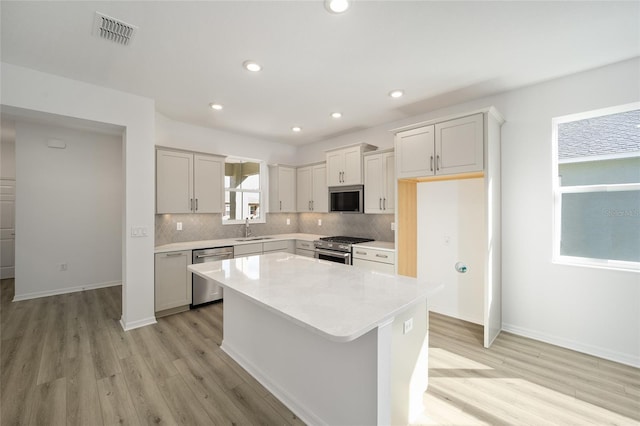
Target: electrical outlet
x: 288, y: 221
x: 408, y: 326
x: 319, y: 222
x: 179, y: 226
x: 393, y: 226
x: 63, y: 266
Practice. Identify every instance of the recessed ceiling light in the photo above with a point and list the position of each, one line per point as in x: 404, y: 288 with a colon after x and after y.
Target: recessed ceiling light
x: 336, y: 114
x: 217, y: 107
x: 296, y: 129
x: 396, y: 93
x: 251, y: 66
x: 336, y: 6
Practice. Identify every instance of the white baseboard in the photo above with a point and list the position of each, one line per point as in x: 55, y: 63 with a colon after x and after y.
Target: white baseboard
x: 137, y: 324
x: 37, y: 294
x: 600, y: 352
x: 288, y: 400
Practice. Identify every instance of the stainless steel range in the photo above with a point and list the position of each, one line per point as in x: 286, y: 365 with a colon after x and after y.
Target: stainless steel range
x: 337, y: 249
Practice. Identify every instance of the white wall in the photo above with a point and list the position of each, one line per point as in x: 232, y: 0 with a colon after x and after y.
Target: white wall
x: 7, y: 149
x: 451, y: 228
x: 592, y: 310
x: 27, y: 90
x: 68, y: 210
x: 175, y: 134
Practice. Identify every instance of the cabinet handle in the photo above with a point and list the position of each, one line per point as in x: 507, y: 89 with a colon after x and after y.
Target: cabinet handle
x: 431, y: 163
x: 173, y: 254
x: 196, y: 204
x: 311, y: 204
x: 380, y: 203
x: 280, y: 205
x: 191, y: 204
x: 384, y: 204
x: 438, y: 162
x: 361, y: 252
x: 384, y: 256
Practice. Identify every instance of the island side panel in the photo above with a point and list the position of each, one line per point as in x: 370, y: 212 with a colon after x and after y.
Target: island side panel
x: 322, y: 381
x: 409, y: 367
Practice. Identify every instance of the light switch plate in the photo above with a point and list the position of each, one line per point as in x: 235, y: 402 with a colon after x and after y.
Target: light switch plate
x: 408, y: 326
x: 178, y: 226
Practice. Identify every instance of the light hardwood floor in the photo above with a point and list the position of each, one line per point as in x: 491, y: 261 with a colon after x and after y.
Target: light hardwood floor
x: 66, y: 360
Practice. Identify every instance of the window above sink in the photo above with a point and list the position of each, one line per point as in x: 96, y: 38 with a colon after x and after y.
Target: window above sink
x: 244, y: 183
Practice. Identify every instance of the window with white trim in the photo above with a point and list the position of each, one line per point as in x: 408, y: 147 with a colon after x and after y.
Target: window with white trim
x: 243, y: 191
x: 597, y: 188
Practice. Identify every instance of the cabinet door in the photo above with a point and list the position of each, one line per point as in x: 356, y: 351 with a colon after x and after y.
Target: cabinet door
x: 335, y: 167
x: 352, y: 166
x: 415, y: 155
x: 208, y: 182
x: 320, y: 200
x: 282, y: 189
x: 389, y: 176
x: 287, y: 189
x: 460, y: 145
x: 304, y: 193
x: 172, y: 280
x: 174, y: 182
x: 373, y: 183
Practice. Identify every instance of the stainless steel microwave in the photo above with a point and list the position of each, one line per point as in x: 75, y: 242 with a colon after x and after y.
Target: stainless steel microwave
x: 346, y: 199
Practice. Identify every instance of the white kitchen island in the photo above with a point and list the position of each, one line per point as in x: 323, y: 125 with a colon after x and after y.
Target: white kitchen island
x: 339, y: 345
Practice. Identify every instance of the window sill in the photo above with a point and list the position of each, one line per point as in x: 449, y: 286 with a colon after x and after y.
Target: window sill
x: 610, y: 265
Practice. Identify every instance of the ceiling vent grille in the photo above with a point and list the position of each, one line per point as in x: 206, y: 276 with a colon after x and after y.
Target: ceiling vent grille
x: 113, y: 29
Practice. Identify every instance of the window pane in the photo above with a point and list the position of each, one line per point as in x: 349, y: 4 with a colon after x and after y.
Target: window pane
x: 601, y: 225
x: 623, y: 170
x: 240, y: 174
x: 240, y: 205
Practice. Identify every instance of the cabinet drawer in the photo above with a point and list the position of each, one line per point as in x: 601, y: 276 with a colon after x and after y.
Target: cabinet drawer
x: 305, y: 253
x: 373, y: 255
x: 385, y: 268
x: 304, y: 245
x: 246, y: 249
x: 276, y: 246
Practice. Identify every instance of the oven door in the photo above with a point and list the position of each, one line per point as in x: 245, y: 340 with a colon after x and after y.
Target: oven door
x: 333, y: 256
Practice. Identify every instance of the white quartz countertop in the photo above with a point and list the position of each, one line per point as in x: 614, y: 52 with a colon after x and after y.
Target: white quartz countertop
x: 378, y: 245
x: 236, y: 241
x: 337, y: 301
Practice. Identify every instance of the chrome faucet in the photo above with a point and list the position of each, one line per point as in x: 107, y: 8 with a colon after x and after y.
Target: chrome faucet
x: 247, y: 231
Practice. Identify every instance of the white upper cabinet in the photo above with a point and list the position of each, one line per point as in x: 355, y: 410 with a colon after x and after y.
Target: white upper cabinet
x: 450, y: 147
x: 188, y: 183
x: 459, y: 145
x: 379, y: 182
x: 208, y: 183
x: 312, y: 193
x: 415, y: 152
x: 282, y: 189
x: 344, y: 165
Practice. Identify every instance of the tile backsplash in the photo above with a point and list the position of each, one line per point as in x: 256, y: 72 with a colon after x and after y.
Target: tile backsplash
x: 376, y: 226
x: 209, y: 226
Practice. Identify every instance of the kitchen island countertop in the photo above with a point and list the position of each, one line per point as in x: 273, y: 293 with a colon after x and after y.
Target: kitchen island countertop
x: 336, y: 301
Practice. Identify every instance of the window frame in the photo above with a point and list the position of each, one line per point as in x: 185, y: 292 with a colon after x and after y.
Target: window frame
x: 559, y: 190
x: 261, y: 191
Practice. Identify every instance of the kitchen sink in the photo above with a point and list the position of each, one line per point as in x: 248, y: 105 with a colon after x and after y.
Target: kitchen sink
x: 254, y: 238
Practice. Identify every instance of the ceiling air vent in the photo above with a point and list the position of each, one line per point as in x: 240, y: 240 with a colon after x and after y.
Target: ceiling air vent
x: 113, y: 29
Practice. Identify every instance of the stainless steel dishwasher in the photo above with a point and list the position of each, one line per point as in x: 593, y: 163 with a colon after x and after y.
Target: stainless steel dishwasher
x: 205, y: 291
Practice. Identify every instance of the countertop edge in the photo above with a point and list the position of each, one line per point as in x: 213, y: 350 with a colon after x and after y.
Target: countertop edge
x: 225, y: 242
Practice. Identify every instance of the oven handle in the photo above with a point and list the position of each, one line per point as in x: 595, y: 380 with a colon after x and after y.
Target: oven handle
x: 336, y: 254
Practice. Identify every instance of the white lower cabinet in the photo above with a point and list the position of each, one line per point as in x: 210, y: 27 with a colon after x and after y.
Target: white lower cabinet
x: 243, y: 250
x: 375, y: 260
x: 305, y: 248
x: 273, y: 246
x: 172, y: 281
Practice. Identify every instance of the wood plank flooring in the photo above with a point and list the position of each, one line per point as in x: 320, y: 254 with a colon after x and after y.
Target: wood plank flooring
x: 64, y: 360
